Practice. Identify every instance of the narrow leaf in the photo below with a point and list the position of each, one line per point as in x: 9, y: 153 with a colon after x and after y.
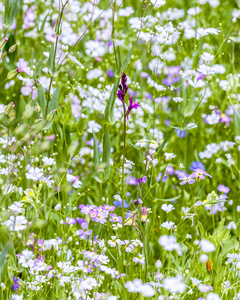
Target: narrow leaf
x: 50, y: 59
x: 126, y: 61
x: 169, y: 199
x: 95, y: 159
x: 54, y: 101
x: 13, y: 11
x: 42, y: 101
x: 109, y: 110
x: 106, y: 154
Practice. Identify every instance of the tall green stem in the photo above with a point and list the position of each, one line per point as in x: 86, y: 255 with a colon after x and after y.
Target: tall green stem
x: 123, y: 159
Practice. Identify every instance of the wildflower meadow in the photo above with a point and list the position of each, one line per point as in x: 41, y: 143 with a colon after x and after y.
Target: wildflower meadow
x: 119, y: 149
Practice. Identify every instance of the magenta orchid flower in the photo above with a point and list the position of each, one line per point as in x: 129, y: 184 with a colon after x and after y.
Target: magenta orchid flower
x: 122, y: 91
x: 132, y: 105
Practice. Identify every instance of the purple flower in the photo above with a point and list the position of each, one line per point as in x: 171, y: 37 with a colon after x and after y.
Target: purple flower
x: 131, y: 180
x: 170, y: 170
x: 224, y: 189
x: 132, y: 105
x: 181, y: 174
x: 188, y: 179
x: 114, y: 218
x: 22, y: 67
x: 181, y: 133
x: 197, y: 165
x: 110, y: 73
x: 118, y: 203
x: 225, y: 119
x: 142, y: 180
x: 84, y: 232
x: 198, y: 173
x: 159, y: 176
x: 123, y: 88
x: 15, y: 284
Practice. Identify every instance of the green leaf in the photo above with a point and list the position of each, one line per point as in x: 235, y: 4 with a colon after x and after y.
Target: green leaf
x: 95, y: 159
x: 54, y: 101
x: 167, y: 138
x: 106, y: 154
x: 126, y: 61
x: 118, y: 59
x: 169, y: 199
x: 109, y: 110
x: 42, y: 101
x: 228, y: 246
x: 200, y: 227
x: 50, y: 59
x: 48, y: 125
x: 13, y: 11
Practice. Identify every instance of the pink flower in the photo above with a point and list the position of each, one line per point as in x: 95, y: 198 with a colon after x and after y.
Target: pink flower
x: 199, y: 173
x: 22, y: 67
x: 132, y: 105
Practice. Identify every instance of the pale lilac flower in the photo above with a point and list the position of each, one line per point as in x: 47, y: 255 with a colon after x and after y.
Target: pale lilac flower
x: 169, y: 243
x: 224, y: 189
x: 17, y: 223
x: 188, y: 179
x: 207, y: 246
x: 22, y: 67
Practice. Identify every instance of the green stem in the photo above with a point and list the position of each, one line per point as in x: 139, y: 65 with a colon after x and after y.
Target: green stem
x: 123, y: 159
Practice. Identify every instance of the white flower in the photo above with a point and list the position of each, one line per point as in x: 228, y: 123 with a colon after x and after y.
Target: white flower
x: 153, y: 145
x: 145, y: 36
x: 174, y: 284
x: 206, y: 70
x: 142, y: 143
x: 158, y: 3
x: 57, y: 207
x: 2, y: 285
x: 17, y: 223
x: 26, y: 259
x: 178, y: 99
x: 126, y: 12
x: 136, y: 286
x: 195, y: 281
x: 167, y: 208
x: 17, y: 297
x: 95, y: 73
x: 231, y: 225
x: 48, y: 161
x: 203, y: 258
x: 207, y: 57
x: 93, y: 127
x: 35, y: 174
x: 169, y: 243
x: 169, y: 156
x: 207, y: 246
x: 16, y: 207
x: 213, y: 296
x: 168, y: 225
x: 74, y: 180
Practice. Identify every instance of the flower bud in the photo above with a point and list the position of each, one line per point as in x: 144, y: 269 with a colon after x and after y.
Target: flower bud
x: 12, y: 48
x: 3, y: 43
x: 28, y: 111
x: 12, y: 74
x: 209, y: 265
x: 8, y: 108
x: 4, y: 54
x: 51, y: 115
